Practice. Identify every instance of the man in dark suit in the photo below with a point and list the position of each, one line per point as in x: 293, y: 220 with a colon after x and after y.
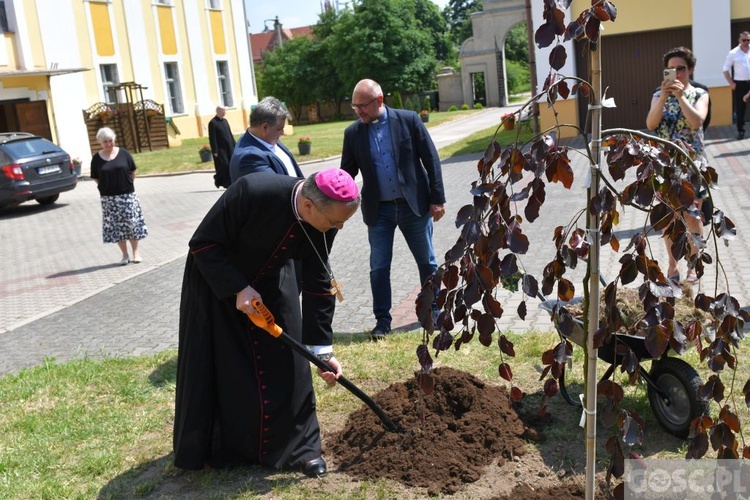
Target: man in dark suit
x: 222, y: 144
x: 402, y: 186
x: 260, y: 150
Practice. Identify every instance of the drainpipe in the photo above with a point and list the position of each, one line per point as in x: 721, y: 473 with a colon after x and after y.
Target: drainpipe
x: 532, y: 64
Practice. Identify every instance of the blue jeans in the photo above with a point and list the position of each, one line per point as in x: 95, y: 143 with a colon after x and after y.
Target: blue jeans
x: 417, y: 232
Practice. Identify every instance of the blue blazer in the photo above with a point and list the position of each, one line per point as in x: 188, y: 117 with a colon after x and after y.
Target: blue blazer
x: 417, y: 162
x: 251, y: 156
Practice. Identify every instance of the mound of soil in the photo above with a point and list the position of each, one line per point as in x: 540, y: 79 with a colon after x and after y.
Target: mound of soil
x: 449, y: 438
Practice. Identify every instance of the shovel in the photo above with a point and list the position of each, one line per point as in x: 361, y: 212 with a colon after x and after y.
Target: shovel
x: 264, y: 319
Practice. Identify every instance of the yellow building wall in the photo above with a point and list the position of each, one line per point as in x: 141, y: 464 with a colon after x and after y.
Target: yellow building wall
x: 642, y: 15
x: 30, y: 82
x: 740, y: 9
x: 167, y: 31
x: 11, y: 51
x: 721, y: 105
x: 217, y: 29
x: 103, y: 40
x: 567, y: 112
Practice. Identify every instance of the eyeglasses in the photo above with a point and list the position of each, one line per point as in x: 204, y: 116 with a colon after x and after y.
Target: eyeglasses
x: 679, y: 69
x: 362, y: 106
x: 745, y: 40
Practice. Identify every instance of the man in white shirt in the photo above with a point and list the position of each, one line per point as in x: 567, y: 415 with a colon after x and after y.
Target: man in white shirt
x: 738, y: 60
x: 260, y: 150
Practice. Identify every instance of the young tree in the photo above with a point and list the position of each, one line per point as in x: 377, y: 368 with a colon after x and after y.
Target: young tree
x: 645, y: 173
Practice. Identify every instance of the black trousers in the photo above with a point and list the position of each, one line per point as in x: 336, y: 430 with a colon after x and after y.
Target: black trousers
x: 743, y: 86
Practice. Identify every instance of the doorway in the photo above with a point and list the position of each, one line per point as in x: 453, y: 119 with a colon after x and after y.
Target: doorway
x: 478, y: 89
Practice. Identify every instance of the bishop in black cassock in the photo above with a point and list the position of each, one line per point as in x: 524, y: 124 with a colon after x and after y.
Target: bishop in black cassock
x: 243, y: 396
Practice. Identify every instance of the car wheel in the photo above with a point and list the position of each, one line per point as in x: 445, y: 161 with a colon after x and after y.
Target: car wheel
x: 48, y: 200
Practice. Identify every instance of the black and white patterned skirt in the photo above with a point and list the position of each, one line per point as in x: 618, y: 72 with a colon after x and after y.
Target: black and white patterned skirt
x: 122, y: 218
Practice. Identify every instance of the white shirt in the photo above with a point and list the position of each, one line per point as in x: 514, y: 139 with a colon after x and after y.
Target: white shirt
x: 280, y: 154
x: 285, y: 159
x: 740, y: 61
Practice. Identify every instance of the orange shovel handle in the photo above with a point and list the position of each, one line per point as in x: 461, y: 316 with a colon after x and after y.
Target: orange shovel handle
x: 264, y: 319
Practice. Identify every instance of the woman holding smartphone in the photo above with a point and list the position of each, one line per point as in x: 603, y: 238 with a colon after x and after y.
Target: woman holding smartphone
x: 677, y: 113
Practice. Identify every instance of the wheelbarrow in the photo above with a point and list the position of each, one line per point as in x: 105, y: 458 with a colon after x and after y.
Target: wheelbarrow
x: 672, y: 384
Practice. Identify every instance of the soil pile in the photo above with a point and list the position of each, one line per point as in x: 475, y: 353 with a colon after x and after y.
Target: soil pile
x: 449, y: 438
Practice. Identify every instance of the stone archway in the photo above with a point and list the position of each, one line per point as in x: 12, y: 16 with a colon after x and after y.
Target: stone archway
x: 484, y: 51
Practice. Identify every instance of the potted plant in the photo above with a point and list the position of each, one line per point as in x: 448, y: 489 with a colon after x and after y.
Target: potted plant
x: 304, y: 145
x: 205, y: 153
x: 76, y: 166
x: 105, y: 115
x: 509, y: 121
x: 424, y: 115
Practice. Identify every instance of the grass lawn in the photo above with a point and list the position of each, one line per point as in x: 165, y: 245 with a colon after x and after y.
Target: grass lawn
x: 327, y: 138
x: 103, y: 429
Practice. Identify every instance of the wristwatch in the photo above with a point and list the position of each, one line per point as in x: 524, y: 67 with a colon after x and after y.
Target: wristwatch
x: 324, y: 357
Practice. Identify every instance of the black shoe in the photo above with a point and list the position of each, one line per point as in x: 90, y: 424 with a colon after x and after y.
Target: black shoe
x: 315, y: 467
x: 740, y: 135
x: 379, y: 332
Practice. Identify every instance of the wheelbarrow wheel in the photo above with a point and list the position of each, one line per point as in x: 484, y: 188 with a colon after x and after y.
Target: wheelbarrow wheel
x: 571, y: 387
x: 680, y: 404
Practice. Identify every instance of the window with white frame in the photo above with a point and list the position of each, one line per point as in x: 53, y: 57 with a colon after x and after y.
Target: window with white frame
x: 110, y: 78
x: 172, y: 77
x: 225, y: 84
x: 3, y: 17
x: 214, y: 4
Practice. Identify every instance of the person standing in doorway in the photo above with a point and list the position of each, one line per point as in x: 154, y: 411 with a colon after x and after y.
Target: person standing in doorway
x: 402, y: 186
x: 738, y: 61
x: 222, y: 145
x: 260, y: 149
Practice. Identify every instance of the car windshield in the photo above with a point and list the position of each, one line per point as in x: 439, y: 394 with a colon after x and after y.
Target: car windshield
x: 32, y: 147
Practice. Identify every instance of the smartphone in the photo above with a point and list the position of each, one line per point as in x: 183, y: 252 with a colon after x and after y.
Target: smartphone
x: 670, y: 74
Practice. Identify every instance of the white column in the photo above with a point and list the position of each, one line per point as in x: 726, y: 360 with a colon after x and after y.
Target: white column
x: 712, y: 23
x: 67, y: 93
x: 17, y: 19
x: 244, y: 57
x: 195, y: 13
x: 140, y: 53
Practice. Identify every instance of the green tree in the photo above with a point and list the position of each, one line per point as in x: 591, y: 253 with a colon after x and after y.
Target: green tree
x: 288, y: 72
x: 517, y: 44
x: 327, y: 86
x: 456, y: 14
x: 428, y: 16
x: 382, y: 40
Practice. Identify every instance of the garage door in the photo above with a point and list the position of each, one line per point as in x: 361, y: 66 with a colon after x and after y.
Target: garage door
x: 631, y: 71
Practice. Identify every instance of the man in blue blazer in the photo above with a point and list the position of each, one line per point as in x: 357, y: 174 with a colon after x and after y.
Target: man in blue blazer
x: 260, y: 150
x: 402, y: 186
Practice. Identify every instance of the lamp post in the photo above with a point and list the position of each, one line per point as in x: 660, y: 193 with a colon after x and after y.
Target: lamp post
x: 276, y: 28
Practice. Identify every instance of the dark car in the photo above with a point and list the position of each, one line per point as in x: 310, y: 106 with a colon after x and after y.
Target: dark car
x: 33, y: 168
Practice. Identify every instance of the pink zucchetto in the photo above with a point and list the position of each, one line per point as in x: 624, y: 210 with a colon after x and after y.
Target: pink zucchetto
x: 337, y: 184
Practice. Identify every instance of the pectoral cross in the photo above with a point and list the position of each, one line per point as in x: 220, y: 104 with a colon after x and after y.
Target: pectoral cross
x: 336, y: 290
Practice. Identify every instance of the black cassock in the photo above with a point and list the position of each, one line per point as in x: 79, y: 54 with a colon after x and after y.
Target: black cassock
x: 222, y: 143
x: 243, y: 396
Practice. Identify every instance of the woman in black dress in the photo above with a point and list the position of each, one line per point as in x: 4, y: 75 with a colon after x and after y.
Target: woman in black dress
x: 113, y: 170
